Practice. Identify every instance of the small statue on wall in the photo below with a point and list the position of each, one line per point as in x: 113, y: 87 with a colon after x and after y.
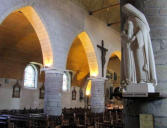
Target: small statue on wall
x: 16, y: 90
x: 138, y: 64
x: 74, y: 93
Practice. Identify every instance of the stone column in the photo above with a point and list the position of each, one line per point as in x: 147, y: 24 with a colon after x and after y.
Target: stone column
x: 53, y: 92
x: 97, y: 95
x: 156, y: 14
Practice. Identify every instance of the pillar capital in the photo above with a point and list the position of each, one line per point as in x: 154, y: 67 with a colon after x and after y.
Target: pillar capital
x: 52, y: 70
x: 97, y: 78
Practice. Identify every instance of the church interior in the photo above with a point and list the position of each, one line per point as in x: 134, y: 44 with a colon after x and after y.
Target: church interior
x: 83, y: 64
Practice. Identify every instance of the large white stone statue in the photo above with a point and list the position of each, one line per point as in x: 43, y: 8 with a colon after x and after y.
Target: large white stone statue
x: 138, y: 65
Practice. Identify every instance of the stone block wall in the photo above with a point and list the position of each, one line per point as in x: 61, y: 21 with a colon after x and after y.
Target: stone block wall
x: 97, y: 96
x: 156, y: 14
x: 29, y: 98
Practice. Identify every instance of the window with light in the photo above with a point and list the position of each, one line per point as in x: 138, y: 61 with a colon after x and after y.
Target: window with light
x: 30, y: 76
x: 64, y: 88
x: 66, y: 82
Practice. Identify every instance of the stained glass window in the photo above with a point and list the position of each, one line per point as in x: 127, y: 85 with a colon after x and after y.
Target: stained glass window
x: 30, y: 76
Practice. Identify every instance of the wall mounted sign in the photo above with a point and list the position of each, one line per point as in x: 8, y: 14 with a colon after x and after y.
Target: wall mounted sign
x: 146, y: 121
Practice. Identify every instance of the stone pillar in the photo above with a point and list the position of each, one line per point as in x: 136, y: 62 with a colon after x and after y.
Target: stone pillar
x: 97, y: 95
x: 156, y: 14
x: 53, y: 89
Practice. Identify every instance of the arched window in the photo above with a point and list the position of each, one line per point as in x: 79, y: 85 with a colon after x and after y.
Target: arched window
x: 66, y: 81
x: 30, y: 76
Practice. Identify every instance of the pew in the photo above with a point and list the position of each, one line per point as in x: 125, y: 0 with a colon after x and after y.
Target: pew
x: 70, y: 118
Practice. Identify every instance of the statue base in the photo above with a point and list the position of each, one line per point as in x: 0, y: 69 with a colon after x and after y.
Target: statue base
x: 139, y: 90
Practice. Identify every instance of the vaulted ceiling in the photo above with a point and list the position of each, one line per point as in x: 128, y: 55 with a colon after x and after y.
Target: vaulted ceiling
x: 106, y: 10
x: 18, y: 36
x: 78, y: 63
x: 19, y: 45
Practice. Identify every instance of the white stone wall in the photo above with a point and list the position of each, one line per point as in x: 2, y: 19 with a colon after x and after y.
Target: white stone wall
x: 67, y: 101
x: 64, y: 21
x: 98, y: 31
x: 28, y: 97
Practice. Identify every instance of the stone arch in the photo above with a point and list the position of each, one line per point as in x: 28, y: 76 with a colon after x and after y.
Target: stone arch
x: 34, y: 19
x: 116, y: 53
x: 90, y: 52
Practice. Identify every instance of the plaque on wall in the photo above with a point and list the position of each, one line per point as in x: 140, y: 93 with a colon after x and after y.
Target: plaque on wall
x: 42, y: 92
x: 74, y: 94
x: 146, y: 121
x: 16, y: 90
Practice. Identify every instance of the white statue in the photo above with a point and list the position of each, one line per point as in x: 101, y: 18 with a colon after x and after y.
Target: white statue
x: 138, y: 65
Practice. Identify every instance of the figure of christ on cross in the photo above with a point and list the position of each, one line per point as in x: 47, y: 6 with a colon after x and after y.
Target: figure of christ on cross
x: 103, y: 55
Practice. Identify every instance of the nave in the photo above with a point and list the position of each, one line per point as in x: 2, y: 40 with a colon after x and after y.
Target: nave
x: 83, y: 63
x: 33, y: 94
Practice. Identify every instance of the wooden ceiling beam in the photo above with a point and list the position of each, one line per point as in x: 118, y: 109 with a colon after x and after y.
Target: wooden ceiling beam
x: 99, y: 10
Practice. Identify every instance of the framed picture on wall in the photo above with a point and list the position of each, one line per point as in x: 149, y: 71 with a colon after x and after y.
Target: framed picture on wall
x: 81, y: 95
x: 6, y: 81
x: 107, y: 94
x: 115, y: 76
x: 111, y: 93
x: 16, y: 90
x: 42, y: 92
x: 74, y: 93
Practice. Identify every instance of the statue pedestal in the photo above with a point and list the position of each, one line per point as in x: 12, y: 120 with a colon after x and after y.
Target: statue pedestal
x: 139, y: 90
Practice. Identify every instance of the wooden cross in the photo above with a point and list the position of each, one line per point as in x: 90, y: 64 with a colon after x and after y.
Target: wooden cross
x: 103, y: 55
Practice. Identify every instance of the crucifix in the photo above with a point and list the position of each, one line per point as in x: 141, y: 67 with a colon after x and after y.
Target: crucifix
x: 103, y: 55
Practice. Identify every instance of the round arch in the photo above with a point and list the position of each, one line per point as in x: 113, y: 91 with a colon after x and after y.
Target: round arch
x: 90, y: 52
x: 34, y: 19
